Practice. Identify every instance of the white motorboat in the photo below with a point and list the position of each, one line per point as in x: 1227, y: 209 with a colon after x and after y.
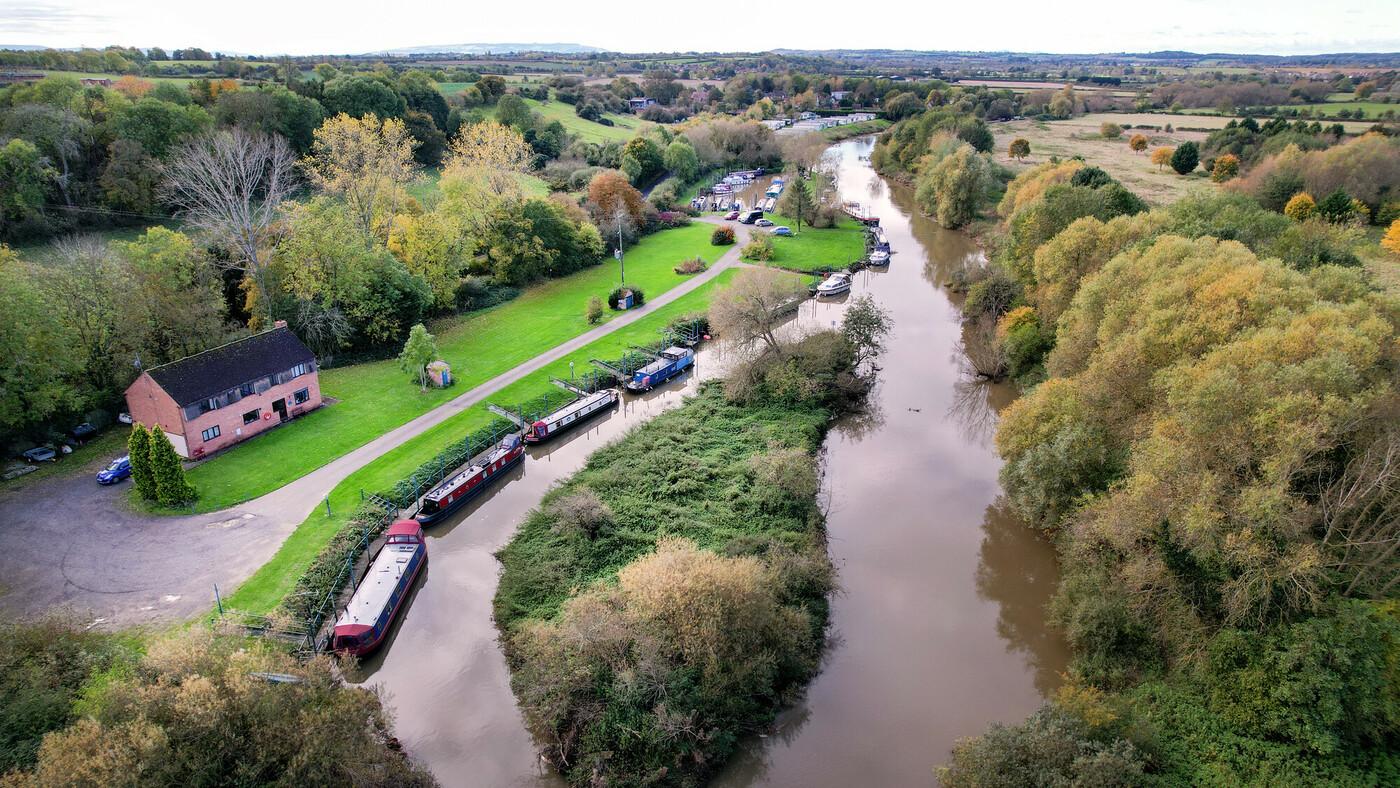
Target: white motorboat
x: 839, y: 282
x: 879, y: 257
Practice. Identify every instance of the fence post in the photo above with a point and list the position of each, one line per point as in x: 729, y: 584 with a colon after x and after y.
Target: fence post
x: 328, y: 506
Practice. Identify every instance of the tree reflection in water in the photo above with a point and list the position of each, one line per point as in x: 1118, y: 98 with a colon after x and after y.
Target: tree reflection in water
x: 1021, y: 580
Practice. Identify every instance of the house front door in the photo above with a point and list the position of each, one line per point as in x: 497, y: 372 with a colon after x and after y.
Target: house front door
x: 281, y: 407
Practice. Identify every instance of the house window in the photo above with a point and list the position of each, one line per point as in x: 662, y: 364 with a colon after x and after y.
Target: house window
x: 252, y: 416
x: 246, y: 389
x: 211, y: 433
x: 301, y: 396
x: 262, y: 385
x: 210, y: 404
x: 297, y: 371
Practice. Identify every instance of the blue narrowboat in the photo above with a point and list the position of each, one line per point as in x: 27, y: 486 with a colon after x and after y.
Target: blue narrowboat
x: 672, y: 362
x: 376, y: 603
x: 465, y: 485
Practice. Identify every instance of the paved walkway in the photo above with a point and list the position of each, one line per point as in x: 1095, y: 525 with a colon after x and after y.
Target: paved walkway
x: 67, y: 542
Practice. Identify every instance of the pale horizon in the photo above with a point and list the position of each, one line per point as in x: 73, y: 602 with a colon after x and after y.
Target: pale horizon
x: 260, y: 27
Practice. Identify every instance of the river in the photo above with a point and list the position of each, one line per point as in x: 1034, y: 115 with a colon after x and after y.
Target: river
x: 938, y: 628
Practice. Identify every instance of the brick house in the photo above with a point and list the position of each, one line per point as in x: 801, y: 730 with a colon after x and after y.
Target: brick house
x: 214, y: 399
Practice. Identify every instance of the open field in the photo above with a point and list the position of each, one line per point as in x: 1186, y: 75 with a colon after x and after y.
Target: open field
x: 1080, y: 137
x: 265, y: 589
x: 425, y: 189
x: 1202, y: 119
x: 377, y: 396
x: 623, y: 128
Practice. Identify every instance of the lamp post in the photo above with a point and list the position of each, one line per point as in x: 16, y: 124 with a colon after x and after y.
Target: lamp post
x: 619, y: 216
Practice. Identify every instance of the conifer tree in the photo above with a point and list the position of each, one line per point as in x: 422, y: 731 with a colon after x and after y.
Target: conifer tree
x: 138, y: 449
x: 172, y: 488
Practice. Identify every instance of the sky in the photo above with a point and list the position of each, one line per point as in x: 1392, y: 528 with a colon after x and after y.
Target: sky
x: 304, y: 27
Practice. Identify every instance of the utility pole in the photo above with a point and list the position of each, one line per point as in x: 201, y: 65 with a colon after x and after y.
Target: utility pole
x: 620, y: 215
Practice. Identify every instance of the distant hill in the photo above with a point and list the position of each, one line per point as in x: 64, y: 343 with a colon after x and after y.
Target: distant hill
x: 489, y: 49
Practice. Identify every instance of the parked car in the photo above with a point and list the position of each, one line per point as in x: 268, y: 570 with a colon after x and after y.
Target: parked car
x: 731, y: 216
x: 41, y: 454
x: 750, y: 217
x: 118, y: 470
x: 82, y: 432
x: 124, y: 417
x: 782, y: 230
x: 763, y: 223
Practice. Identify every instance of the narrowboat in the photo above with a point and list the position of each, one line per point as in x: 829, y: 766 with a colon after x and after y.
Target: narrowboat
x: 376, y: 602
x: 839, y: 282
x: 671, y: 362
x: 571, y: 414
x: 470, y: 482
x: 860, y: 213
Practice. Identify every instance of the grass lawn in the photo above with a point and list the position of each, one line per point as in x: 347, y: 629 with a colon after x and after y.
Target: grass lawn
x: 623, y: 128
x: 811, y: 249
x: 376, y: 397
x: 425, y: 189
x: 838, y: 133
x: 265, y: 589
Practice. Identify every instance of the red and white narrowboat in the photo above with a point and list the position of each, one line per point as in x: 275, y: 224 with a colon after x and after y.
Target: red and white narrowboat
x: 470, y: 482
x: 571, y: 414
x: 376, y: 602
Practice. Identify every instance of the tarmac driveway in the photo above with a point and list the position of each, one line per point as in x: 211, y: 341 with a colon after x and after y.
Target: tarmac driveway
x: 67, y: 542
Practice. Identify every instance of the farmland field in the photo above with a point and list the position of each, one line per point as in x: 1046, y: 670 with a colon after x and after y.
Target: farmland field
x: 623, y: 128
x: 1080, y: 137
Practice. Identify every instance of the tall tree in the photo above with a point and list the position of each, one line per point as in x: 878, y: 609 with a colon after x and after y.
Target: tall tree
x: 797, y: 201
x: 39, y: 361
x: 138, y: 450
x: 366, y: 162
x: 172, y: 488
x: 750, y: 310
x: 230, y: 184
x: 1019, y: 148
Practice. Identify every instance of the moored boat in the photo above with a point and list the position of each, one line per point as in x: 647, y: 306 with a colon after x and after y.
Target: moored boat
x: 571, y: 414
x: 839, y: 282
x: 669, y: 363
x: 471, y: 481
x: 879, y: 257
x: 376, y: 602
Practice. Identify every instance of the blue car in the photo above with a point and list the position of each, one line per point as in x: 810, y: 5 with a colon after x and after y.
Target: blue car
x: 782, y: 230
x: 118, y: 470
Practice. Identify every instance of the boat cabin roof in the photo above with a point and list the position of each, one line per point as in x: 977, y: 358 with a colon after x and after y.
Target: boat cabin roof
x: 373, y: 594
x: 579, y: 404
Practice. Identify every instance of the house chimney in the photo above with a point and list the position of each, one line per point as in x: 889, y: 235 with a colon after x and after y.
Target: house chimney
x: 279, y: 324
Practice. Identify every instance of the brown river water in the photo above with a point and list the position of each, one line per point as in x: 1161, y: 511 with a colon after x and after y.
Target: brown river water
x: 938, y: 629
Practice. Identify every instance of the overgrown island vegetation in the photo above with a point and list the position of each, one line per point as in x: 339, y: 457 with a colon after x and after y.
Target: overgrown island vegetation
x: 671, y: 596
x: 1207, y: 432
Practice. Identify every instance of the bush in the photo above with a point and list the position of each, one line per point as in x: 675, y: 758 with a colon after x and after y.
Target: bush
x: 594, y: 311
x: 1052, y: 747
x: 1110, y: 131
x: 722, y: 236
x: 671, y: 219
x: 759, y: 247
x: 692, y: 266
x: 44, y: 666
x: 615, y: 297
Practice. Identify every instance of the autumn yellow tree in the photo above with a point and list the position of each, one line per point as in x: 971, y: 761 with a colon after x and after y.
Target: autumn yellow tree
x: 366, y: 162
x: 1391, y: 241
x: 1019, y: 148
x: 133, y: 87
x: 489, y: 144
x: 1226, y: 167
x: 1138, y: 143
x: 1300, y: 207
x: 1162, y: 157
